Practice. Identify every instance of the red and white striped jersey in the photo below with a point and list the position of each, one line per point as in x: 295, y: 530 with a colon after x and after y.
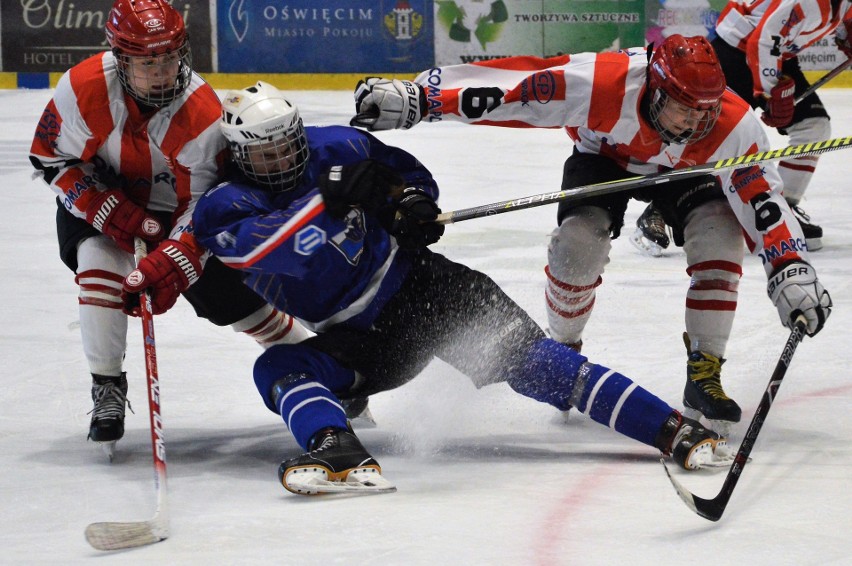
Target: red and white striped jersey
x: 596, y: 98
x: 772, y: 31
x: 92, y: 136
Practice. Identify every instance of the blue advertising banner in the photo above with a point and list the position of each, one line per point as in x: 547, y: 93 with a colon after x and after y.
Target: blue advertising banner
x: 340, y: 36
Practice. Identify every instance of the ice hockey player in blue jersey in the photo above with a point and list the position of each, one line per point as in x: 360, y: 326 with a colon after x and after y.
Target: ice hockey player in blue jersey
x: 332, y: 225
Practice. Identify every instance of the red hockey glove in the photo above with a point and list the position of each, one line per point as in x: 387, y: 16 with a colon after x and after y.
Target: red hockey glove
x: 843, y: 36
x: 780, y: 104
x: 168, y: 271
x: 116, y: 216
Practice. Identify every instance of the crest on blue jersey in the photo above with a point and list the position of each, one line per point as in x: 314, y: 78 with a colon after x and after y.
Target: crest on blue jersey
x: 308, y: 239
x: 350, y: 242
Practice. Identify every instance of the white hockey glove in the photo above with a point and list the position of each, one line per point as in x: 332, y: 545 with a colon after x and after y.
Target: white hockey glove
x: 795, y: 289
x: 388, y: 104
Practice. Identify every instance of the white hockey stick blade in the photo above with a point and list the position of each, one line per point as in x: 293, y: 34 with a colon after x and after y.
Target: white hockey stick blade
x: 118, y: 536
x: 684, y: 493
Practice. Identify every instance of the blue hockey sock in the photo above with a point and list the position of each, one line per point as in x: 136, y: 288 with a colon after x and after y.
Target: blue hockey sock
x: 307, y: 407
x: 556, y: 374
x: 614, y: 400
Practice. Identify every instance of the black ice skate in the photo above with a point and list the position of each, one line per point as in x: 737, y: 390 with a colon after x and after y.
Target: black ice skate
x: 691, y: 445
x: 704, y: 396
x: 651, y: 236
x: 109, y: 395
x: 812, y: 232
x: 336, y: 462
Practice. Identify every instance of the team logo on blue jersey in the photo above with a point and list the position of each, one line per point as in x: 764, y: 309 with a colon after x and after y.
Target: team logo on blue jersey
x: 350, y: 242
x: 308, y: 239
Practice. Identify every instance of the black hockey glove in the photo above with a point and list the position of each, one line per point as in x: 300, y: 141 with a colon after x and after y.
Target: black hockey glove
x: 365, y: 184
x: 412, y: 220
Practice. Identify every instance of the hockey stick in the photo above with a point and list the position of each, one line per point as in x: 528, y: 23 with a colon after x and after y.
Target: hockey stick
x: 642, y: 181
x: 824, y: 79
x: 712, y: 509
x: 114, y: 535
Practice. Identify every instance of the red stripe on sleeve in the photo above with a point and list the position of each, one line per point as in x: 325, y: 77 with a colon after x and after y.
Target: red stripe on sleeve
x: 610, y: 77
x: 90, y: 88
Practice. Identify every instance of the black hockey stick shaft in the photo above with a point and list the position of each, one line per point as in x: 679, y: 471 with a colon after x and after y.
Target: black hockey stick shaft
x: 713, y: 509
x: 643, y: 181
x: 824, y: 79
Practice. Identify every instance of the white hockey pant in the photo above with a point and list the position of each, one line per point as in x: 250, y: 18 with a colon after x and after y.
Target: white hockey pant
x: 579, y: 252
x: 268, y: 326
x: 102, y: 267
x: 796, y: 173
x: 576, y: 257
x: 715, y: 248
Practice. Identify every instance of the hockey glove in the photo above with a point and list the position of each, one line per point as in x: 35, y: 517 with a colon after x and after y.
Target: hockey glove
x: 412, y: 222
x: 795, y: 289
x: 780, y: 104
x: 843, y: 36
x: 365, y: 184
x: 168, y: 271
x: 387, y: 104
x: 113, y: 214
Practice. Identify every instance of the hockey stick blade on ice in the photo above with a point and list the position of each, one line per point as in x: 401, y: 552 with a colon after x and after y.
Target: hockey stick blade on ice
x: 712, y: 509
x: 115, y: 535
x: 643, y: 181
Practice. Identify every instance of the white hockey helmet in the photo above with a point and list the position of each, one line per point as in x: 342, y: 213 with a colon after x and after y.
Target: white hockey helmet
x: 266, y: 135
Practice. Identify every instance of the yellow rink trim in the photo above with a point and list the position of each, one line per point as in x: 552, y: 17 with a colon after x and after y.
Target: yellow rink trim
x: 342, y: 81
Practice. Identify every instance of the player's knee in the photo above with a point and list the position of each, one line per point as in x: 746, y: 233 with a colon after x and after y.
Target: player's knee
x: 712, y: 232
x: 579, y: 248
x: 284, y: 360
x: 808, y: 130
x: 549, y: 373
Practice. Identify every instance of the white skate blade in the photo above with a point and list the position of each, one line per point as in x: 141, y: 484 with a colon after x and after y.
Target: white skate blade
x: 109, y: 449
x: 722, y: 428
x: 364, y: 420
x: 315, y: 481
x: 644, y: 245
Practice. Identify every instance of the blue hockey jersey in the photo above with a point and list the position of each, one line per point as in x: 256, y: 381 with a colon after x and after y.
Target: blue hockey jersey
x: 320, y: 269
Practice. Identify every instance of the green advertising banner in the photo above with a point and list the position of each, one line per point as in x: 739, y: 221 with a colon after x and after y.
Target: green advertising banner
x: 477, y: 30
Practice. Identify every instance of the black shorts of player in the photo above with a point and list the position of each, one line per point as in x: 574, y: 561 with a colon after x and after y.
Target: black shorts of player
x: 739, y: 79
x: 444, y: 310
x: 219, y: 295
x: 674, y: 200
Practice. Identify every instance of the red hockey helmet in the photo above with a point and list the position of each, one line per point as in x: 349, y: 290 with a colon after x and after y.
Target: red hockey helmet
x: 686, y: 70
x: 150, y: 29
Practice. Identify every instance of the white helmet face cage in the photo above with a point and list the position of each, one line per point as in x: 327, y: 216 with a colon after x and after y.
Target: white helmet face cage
x: 702, y: 120
x: 266, y: 135
x: 156, y: 80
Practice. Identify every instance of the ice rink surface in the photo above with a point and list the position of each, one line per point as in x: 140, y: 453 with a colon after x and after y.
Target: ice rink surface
x: 485, y: 476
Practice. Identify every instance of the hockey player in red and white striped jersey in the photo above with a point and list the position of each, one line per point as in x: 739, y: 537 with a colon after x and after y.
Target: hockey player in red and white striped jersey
x: 129, y: 142
x: 634, y: 113
x: 758, y: 44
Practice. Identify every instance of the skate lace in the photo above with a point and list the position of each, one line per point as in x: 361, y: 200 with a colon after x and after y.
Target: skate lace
x: 109, y: 402
x: 801, y: 213
x: 706, y: 374
x: 655, y: 222
x: 327, y: 442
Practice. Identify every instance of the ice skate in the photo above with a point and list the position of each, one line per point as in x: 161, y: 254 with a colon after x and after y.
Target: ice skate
x: 651, y: 236
x: 336, y: 462
x: 691, y: 445
x: 703, y: 394
x: 812, y: 232
x: 109, y: 395
x: 358, y: 412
